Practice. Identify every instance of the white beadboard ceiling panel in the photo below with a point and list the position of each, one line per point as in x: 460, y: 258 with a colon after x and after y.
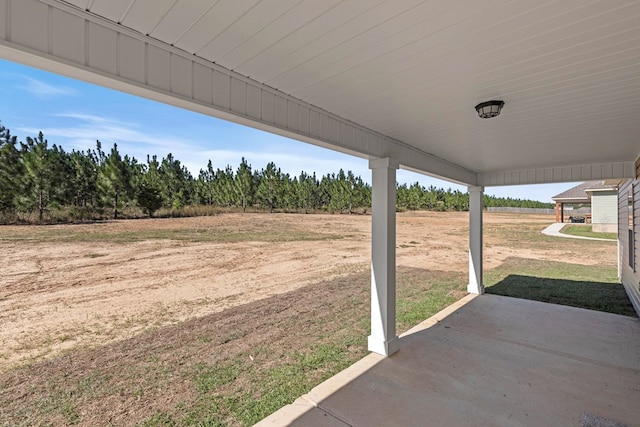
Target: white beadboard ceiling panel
x: 144, y: 15
x: 113, y: 10
x: 213, y: 22
x: 287, y: 23
x: 180, y: 18
x: 233, y: 36
x: 568, y: 70
x: 340, y: 23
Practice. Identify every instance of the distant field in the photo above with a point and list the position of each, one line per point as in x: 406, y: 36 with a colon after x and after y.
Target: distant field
x: 221, y: 320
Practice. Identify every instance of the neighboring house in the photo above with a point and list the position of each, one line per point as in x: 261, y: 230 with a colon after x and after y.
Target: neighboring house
x: 628, y: 220
x: 601, y: 195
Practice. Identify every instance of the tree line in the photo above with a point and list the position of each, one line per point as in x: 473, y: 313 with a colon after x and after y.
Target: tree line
x: 38, y: 179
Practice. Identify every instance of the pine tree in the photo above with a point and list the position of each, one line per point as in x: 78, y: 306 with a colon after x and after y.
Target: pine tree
x: 40, y: 175
x: 270, y: 190
x: 177, y: 189
x: 11, y: 171
x: 225, y: 187
x: 83, y: 178
x: 244, y: 184
x: 206, y: 185
x: 114, y: 180
x: 341, y: 192
x: 307, y: 191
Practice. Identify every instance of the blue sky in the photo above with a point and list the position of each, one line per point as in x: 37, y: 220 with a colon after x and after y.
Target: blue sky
x: 75, y: 114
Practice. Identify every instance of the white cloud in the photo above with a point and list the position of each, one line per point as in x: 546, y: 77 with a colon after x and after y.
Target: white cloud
x: 85, y: 129
x: 80, y: 131
x: 41, y: 89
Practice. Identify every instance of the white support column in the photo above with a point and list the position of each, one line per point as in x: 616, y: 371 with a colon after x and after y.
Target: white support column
x: 383, y: 339
x: 475, y: 285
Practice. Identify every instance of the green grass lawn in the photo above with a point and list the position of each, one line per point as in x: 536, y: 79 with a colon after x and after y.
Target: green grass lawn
x: 590, y: 287
x: 586, y: 231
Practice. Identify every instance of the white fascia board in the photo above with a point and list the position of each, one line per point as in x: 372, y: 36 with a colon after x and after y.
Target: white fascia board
x: 574, y: 173
x: 601, y: 190
x: 114, y: 56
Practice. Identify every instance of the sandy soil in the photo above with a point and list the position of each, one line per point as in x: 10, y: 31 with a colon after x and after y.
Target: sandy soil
x: 58, y: 295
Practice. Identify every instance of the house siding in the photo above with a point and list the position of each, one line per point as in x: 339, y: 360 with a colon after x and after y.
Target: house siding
x: 629, y: 272
x: 604, y: 211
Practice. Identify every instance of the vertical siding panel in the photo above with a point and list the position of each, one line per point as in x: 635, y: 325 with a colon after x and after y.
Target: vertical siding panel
x: 64, y: 36
x: 303, y: 124
x: 268, y: 107
x: 4, y: 19
x: 158, y: 68
x: 103, y: 48
x: 360, y: 140
x: 345, y: 134
x: 238, y: 96
x: 617, y: 170
x: 576, y: 173
x: 531, y: 177
x: 131, y: 58
x: 202, y: 83
x: 221, y: 90
x: 36, y: 34
x: 324, y: 126
x: 333, y: 129
x: 293, y: 116
x: 281, y: 111
x: 254, y: 102
x: 315, y: 123
x: 181, y: 76
x: 521, y: 177
x: 373, y: 143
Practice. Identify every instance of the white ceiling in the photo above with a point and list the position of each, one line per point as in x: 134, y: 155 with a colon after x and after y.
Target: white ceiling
x: 568, y: 70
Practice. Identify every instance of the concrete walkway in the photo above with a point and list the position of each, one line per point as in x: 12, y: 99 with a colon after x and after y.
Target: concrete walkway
x: 554, y: 230
x: 489, y: 360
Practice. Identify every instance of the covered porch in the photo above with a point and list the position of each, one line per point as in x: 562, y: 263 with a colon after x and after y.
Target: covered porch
x: 489, y: 360
x: 396, y: 83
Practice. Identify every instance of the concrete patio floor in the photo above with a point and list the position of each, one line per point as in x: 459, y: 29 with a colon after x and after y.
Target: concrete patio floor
x: 493, y: 361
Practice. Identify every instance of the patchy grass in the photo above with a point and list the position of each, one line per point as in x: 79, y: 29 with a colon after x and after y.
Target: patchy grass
x: 587, y: 231
x: 590, y: 287
x: 235, y: 367
x: 228, y: 369
x: 69, y: 234
x: 94, y: 255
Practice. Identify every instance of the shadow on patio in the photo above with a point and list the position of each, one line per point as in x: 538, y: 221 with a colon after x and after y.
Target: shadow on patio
x: 489, y: 360
x: 593, y: 295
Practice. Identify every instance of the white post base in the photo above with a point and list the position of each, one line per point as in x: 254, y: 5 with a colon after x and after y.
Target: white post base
x: 473, y: 288
x: 385, y: 348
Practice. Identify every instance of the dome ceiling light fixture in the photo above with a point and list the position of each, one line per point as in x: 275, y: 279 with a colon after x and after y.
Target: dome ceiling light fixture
x: 489, y: 109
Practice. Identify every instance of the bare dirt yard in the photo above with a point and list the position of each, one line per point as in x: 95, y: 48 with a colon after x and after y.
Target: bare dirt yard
x: 69, y: 285
x: 71, y: 295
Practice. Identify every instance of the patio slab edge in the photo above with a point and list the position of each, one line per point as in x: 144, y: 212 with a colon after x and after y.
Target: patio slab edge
x: 310, y: 402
